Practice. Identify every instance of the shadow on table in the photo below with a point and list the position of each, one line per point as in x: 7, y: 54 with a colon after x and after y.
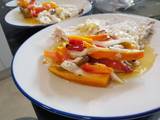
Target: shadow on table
x: 26, y: 118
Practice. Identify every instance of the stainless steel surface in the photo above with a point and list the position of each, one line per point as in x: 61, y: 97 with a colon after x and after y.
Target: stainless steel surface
x: 149, y: 8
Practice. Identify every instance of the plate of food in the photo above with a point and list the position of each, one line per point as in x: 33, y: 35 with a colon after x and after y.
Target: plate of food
x: 93, y: 67
x: 31, y: 13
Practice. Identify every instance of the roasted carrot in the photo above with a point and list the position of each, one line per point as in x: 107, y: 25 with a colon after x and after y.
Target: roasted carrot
x: 114, y: 55
x: 100, y: 37
x: 97, y: 68
x: 57, y: 56
x: 49, y: 5
x: 99, y: 80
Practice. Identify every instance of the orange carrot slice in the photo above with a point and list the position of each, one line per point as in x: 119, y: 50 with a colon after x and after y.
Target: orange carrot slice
x: 100, y: 37
x: 97, y: 68
x: 98, y: 80
x: 49, y: 5
x: 114, y: 55
x: 57, y: 56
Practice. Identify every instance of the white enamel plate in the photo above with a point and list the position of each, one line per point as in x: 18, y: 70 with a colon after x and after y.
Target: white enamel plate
x: 14, y: 17
x: 137, y: 97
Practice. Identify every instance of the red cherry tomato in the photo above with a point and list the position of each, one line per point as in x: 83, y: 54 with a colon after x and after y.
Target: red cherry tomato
x: 76, y: 45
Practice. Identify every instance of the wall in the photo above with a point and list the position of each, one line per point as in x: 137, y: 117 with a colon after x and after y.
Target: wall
x: 5, y: 54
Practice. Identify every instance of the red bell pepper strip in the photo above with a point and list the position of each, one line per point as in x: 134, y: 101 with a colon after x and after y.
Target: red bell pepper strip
x: 116, y: 65
x: 76, y: 45
x: 97, y: 68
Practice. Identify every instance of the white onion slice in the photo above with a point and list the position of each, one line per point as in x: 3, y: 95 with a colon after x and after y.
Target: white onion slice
x: 116, y: 78
x: 114, y: 42
x: 71, y: 67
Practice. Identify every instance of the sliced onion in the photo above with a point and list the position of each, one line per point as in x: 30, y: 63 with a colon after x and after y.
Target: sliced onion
x: 90, y: 50
x: 116, y: 78
x: 114, y: 42
x: 75, y: 54
x: 71, y: 67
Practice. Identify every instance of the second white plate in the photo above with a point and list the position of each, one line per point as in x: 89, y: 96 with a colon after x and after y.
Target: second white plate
x: 14, y: 17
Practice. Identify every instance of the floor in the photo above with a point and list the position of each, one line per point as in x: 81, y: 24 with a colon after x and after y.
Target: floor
x: 13, y: 105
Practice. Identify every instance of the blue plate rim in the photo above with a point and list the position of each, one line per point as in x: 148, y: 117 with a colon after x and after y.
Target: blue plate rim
x: 71, y: 115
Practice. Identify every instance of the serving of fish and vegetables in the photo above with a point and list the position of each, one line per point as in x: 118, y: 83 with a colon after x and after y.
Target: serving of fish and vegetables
x: 97, y: 52
x: 47, y: 12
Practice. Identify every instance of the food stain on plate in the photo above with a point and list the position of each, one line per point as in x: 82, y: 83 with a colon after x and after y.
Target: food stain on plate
x: 28, y: 21
x: 32, y: 21
x: 146, y: 63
